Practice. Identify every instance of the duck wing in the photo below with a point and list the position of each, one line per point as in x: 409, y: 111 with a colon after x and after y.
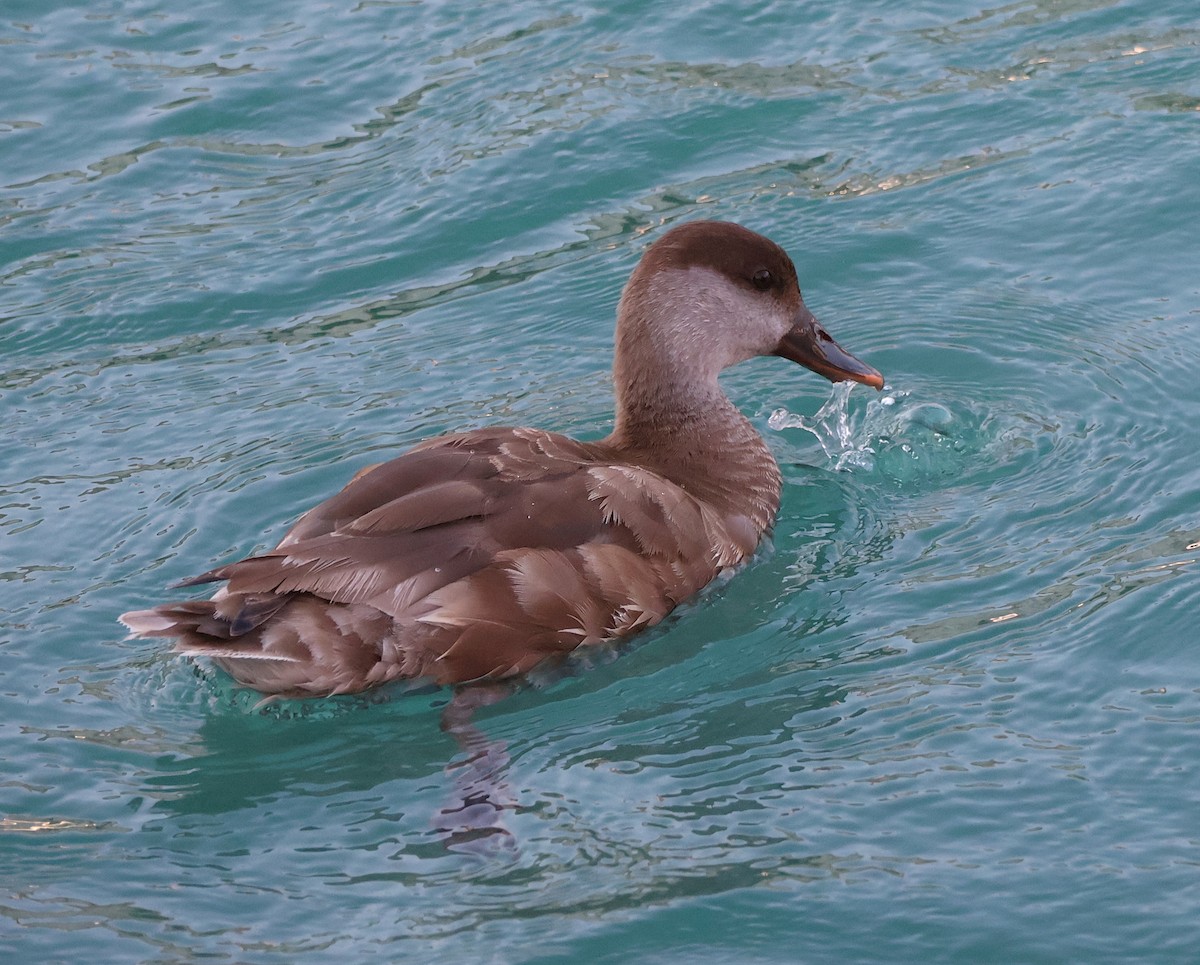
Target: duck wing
x: 489, y: 550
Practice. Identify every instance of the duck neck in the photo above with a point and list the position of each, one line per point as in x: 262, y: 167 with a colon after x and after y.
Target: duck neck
x: 691, y: 433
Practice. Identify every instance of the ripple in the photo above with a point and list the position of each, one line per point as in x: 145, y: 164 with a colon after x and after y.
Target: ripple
x: 960, y: 677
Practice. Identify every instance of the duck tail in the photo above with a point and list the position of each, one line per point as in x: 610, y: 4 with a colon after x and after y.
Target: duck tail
x: 219, y: 620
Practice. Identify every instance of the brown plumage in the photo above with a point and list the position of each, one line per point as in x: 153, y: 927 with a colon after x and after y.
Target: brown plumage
x: 480, y: 554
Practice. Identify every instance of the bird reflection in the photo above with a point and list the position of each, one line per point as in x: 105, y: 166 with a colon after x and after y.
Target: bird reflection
x: 473, y: 822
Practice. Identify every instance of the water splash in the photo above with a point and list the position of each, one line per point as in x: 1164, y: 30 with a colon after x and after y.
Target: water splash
x: 835, y: 429
x: 893, y: 435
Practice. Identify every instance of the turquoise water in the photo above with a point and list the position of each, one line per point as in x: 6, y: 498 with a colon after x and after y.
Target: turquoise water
x: 949, y: 714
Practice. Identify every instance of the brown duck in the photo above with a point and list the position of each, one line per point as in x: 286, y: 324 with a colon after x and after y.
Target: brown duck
x: 480, y: 554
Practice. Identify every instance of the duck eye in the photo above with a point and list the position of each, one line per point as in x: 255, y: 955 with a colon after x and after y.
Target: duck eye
x: 763, y: 279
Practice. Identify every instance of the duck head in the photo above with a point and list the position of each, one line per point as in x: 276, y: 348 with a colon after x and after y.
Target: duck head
x: 710, y: 294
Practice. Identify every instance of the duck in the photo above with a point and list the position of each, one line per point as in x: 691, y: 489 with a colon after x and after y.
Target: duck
x: 476, y: 556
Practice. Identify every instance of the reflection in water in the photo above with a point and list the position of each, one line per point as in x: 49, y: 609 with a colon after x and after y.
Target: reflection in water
x: 473, y: 823
x: 356, y: 745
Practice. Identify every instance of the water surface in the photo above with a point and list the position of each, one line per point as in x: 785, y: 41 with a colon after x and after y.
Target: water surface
x: 949, y: 713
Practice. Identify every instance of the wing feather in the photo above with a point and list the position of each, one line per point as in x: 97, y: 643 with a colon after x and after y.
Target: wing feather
x: 473, y: 555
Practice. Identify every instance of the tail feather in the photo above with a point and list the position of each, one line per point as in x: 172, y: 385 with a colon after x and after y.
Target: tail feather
x: 224, y: 618
x: 149, y: 623
x: 290, y: 644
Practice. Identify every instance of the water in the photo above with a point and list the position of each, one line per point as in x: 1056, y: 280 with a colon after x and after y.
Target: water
x: 907, y: 442
x: 949, y: 713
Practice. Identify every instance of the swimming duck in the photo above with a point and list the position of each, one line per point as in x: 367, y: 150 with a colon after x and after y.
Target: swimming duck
x: 478, y: 555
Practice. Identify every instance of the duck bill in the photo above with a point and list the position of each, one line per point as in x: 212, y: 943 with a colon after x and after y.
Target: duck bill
x: 811, y: 346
